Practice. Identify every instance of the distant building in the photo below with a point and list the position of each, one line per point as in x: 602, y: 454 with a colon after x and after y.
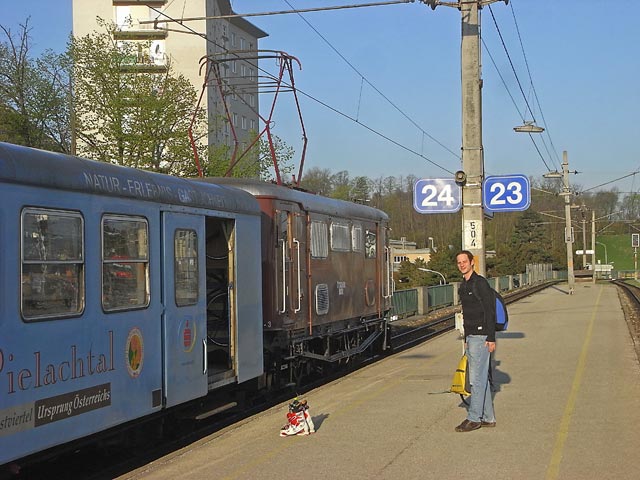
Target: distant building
x: 403, y: 250
x: 172, y: 42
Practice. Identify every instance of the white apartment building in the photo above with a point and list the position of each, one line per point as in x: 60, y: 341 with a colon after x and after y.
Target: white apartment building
x: 184, y: 46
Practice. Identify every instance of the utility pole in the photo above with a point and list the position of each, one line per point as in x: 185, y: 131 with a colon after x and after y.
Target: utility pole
x: 593, y: 245
x: 568, y: 231
x: 472, y: 150
x: 583, y: 212
x: 566, y: 193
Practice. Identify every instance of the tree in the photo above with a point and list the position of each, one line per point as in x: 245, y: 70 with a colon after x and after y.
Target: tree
x: 528, y: 244
x: 317, y: 180
x: 257, y: 162
x: 131, y: 118
x: 34, y: 94
x: 360, y: 190
x: 341, y: 185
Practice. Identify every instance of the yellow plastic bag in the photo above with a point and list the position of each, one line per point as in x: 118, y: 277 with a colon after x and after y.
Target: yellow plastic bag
x: 460, y: 383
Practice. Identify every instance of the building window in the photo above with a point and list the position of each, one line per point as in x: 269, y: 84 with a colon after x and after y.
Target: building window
x: 241, y: 43
x: 52, y: 267
x: 400, y: 258
x: 233, y: 40
x: 235, y: 119
x: 253, y: 124
x: 244, y: 122
x: 125, y: 262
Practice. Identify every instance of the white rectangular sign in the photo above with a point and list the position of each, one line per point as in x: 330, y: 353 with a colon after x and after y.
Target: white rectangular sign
x: 473, y: 234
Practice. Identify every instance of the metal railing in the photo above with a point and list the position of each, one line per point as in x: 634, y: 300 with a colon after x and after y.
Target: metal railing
x: 423, y: 300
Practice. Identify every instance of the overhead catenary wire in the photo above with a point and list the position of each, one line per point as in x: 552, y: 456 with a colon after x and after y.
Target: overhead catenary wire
x: 365, y: 79
x: 311, y: 97
x: 504, y: 83
x: 524, y: 96
x: 280, y: 12
x: 535, y: 93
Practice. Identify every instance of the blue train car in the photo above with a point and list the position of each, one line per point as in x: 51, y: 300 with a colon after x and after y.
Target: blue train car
x: 123, y: 293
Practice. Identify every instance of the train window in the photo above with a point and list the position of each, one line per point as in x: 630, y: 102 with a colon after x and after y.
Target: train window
x: 357, y: 240
x: 125, y: 263
x: 340, y: 238
x: 186, y: 267
x: 370, y: 244
x: 52, y: 263
x: 319, y: 240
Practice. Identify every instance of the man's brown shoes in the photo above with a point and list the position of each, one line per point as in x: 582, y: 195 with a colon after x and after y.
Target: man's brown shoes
x: 468, y: 426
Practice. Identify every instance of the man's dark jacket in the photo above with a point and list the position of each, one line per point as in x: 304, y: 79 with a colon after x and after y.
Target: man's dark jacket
x: 478, y: 307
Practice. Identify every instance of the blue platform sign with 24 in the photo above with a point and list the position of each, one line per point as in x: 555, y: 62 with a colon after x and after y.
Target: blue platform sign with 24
x: 437, y: 195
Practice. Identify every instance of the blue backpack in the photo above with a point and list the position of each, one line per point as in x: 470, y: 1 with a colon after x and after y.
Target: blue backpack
x: 502, y: 316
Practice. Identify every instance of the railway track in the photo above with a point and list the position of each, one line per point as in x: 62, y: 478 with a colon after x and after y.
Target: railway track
x: 630, y: 301
x: 100, y: 463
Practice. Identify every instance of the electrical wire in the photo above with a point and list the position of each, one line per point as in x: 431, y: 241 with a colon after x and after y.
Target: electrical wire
x: 524, y: 96
x: 365, y: 79
x: 311, y: 97
x: 535, y: 93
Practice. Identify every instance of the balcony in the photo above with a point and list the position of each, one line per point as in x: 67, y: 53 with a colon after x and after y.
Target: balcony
x: 139, y: 32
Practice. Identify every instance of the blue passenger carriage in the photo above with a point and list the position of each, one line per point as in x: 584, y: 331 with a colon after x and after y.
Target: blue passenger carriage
x: 123, y: 293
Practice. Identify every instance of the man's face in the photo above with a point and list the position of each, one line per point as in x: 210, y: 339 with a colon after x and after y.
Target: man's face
x: 464, y: 264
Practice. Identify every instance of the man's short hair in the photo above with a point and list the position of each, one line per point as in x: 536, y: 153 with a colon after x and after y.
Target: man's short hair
x: 467, y: 253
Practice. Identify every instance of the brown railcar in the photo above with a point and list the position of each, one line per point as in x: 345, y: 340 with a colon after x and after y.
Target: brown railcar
x: 325, y: 276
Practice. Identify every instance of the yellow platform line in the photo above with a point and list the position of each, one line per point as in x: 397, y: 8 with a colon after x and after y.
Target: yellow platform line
x: 556, y: 457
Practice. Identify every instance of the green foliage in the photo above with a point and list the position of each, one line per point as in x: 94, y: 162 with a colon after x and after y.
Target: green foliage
x: 129, y: 117
x: 257, y: 162
x: 527, y: 245
x: 34, y: 94
x: 619, y: 251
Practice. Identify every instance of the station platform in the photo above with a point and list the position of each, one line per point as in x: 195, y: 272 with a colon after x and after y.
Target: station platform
x: 567, y: 407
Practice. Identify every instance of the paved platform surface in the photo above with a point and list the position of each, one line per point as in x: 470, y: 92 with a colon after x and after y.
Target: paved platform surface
x: 568, y: 407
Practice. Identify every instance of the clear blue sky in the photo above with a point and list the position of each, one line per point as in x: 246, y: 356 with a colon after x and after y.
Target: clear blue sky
x: 581, y: 54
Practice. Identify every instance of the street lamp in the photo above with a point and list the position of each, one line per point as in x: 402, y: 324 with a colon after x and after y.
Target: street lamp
x: 433, y: 271
x: 528, y: 127
x: 606, y: 259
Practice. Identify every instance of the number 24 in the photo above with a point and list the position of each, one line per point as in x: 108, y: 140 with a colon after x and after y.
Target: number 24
x: 431, y: 192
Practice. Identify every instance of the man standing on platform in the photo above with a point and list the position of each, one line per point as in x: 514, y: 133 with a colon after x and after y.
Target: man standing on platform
x: 479, y: 313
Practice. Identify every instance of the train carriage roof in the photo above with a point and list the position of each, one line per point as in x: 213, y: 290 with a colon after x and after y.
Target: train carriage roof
x: 28, y: 166
x: 308, y: 201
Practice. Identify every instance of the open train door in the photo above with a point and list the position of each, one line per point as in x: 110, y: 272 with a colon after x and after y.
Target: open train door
x: 184, y: 326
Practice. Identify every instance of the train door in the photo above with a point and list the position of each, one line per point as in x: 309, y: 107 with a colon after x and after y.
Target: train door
x: 221, y: 300
x: 291, y: 271
x: 184, y: 319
